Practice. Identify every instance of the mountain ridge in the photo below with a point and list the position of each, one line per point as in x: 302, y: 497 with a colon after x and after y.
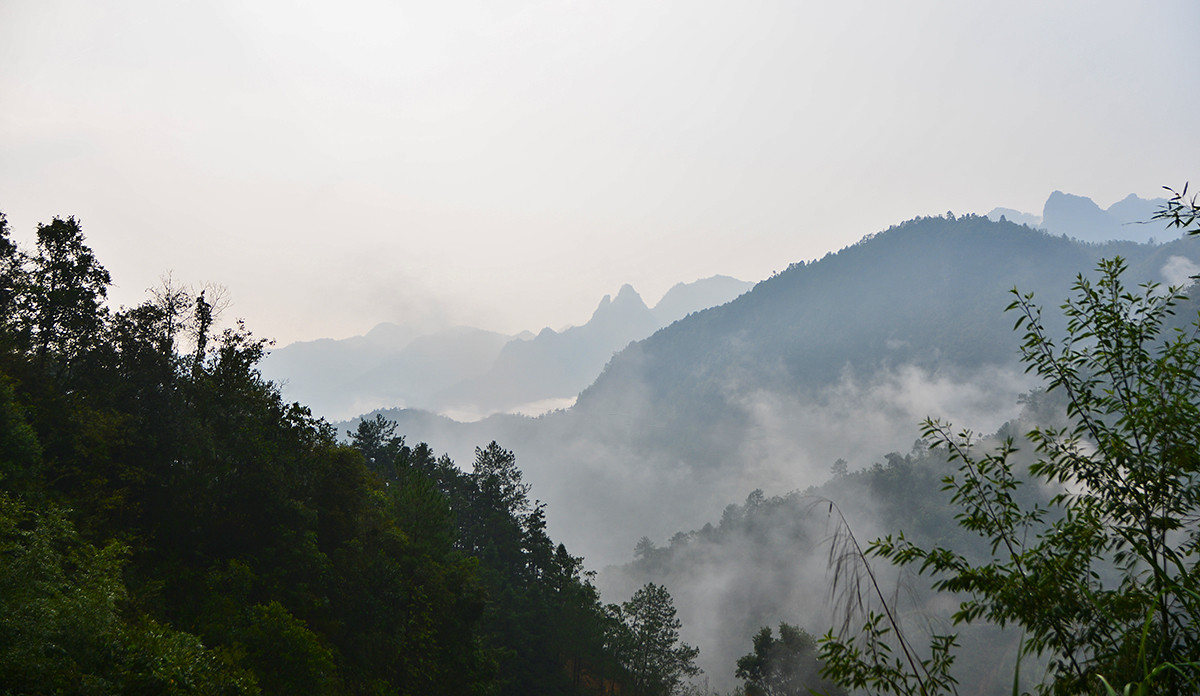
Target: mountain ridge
x: 470, y: 372
x: 836, y: 358
x: 1079, y: 217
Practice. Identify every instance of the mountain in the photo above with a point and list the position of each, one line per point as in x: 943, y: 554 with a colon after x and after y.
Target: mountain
x: 316, y: 373
x: 685, y: 298
x: 550, y: 369
x: 767, y: 560
x: 552, y: 364
x: 1132, y: 210
x: 1012, y: 215
x: 471, y: 373
x: 391, y: 365
x: 1080, y: 218
x: 928, y: 294
x: 836, y: 358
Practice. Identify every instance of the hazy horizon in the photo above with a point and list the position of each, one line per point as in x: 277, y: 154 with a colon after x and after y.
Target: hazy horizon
x: 504, y: 165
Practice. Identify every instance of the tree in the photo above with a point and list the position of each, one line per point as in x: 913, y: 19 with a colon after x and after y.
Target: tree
x: 62, y: 628
x: 12, y: 271
x: 496, y: 474
x: 380, y: 446
x: 69, y: 286
x: 1103, y: 581
x: 648, y: 643
x: 783, y: 666
x: 144, y: 491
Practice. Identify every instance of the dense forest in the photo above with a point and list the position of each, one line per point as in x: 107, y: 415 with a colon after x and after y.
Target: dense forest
x: 169, y: 525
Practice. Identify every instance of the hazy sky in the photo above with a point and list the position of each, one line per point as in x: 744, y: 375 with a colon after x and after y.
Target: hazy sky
x: 505, y: 164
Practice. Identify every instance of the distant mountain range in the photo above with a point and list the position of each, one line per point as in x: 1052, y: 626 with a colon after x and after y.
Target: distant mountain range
x: 1080, y: 218
x: 836, y: 358
x: 470, y: 373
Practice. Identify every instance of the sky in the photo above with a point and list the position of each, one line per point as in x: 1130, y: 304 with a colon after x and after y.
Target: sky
x: 505, y: 164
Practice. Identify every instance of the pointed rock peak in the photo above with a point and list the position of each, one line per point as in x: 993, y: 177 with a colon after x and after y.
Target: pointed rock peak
x: 626, y: 302
x: 1060, y: 200
x: 627, y: 294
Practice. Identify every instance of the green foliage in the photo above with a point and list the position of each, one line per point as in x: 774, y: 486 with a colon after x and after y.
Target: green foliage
x: 646, y: 635
x: 63, y: 310
x: 59, y: 598
x: 1180, y: 211
x: 1102, y: 580
x: 376, y: 439
x: 783, y: 666
x: 147, y: 487
x: 12, y: 277
x: 62, y: 629
x: 151, y: 480
x: 288, y: 657
x: 20, y: 452
x: 544, y: 623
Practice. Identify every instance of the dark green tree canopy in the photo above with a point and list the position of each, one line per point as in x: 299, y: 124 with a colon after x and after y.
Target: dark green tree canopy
x: 784, y: 666
x: 67, y: 288
x: 647, y: 639
x: 168, y: 524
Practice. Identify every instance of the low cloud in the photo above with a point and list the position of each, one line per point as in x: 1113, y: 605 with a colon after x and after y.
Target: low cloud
x: 1180, y: 271
x: 794, y: 439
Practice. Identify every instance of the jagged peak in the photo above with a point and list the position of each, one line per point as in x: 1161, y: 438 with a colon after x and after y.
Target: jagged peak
x: 627, y: 294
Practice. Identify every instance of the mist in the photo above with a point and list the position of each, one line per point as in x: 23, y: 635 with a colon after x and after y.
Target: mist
x: 604, y: 493
x: 610, y: 481
x: 710, y: 456
x: 840, y: 359
x: 771, y: 558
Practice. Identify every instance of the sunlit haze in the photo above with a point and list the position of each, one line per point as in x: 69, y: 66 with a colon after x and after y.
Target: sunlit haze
x: 506, y: 164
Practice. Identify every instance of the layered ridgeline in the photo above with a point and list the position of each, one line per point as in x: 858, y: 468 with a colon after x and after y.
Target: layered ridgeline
x: 836, y: 358
x: 468, y: 372
x: 768, y: 559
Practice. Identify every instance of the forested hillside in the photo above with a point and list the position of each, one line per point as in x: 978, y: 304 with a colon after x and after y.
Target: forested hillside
x: 772, y: 558
x: 925, y: 293
x: 168, y: 525
x: 835, y: 358
x: 1073, y: 526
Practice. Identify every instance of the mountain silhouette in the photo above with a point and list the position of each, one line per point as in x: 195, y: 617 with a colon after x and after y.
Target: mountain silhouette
x: 471, y: 373
x: 835, y: 358
x: 1080, y: 218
